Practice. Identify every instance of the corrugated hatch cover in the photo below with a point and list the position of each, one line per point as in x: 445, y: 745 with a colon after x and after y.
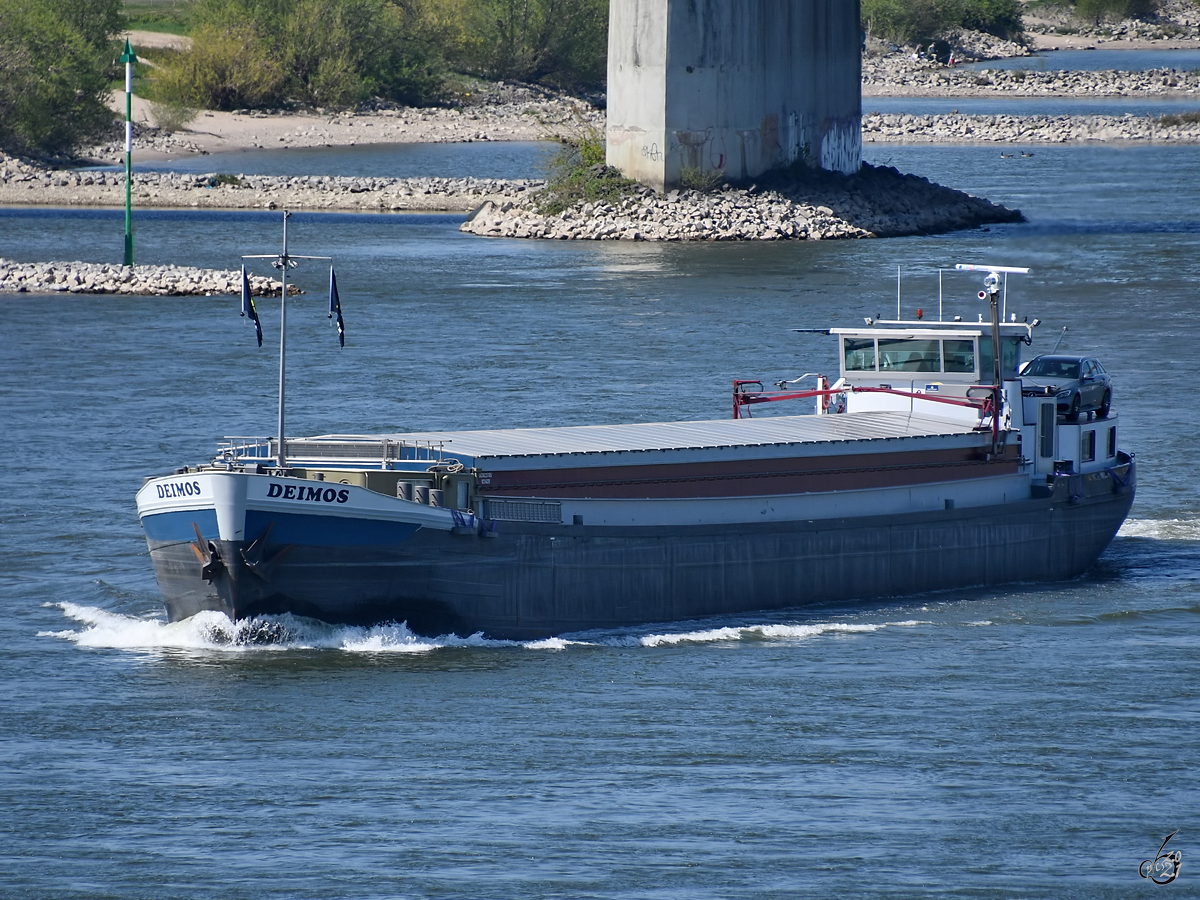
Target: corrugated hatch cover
x: 659, y: 436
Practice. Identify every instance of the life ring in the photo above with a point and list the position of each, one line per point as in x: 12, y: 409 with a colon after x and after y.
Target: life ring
x: 824, y: 386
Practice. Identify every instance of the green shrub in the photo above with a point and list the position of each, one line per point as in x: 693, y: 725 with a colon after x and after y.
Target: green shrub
x: 1097, y: 11
x: 999, y: 17
x: 97, y: 21
x: 172, y: 116
x: 919, y: 21
x: 172, y: 19
x: 329, y: 53
x: 228, y: 67
x: 1175, y: 120
x: 692, y: 178
x: 55, y: 63
x: 557, y: 42
x: 577, y: 174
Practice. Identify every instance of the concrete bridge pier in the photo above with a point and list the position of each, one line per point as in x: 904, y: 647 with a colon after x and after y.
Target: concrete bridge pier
x: 735, y: 87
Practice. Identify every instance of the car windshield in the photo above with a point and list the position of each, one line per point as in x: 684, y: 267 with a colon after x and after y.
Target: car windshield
x: 1053, y: 368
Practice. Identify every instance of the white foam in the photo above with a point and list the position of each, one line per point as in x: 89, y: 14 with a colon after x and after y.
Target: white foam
x: 1161, y: 529
x: 214, y: 631
x: 554, y: 643
x: 207, y: 630
x: 769, y: 632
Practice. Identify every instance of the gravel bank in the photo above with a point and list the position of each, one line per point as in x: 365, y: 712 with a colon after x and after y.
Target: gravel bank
x: 26, y: 183
x: 899, y: 76
x: 1002, y: 129
x: 1175, y: 23
x: 98, y: 278
x: 877, y: 202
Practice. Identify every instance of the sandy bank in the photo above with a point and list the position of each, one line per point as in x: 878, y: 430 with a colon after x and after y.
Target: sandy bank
x: 503, y: 113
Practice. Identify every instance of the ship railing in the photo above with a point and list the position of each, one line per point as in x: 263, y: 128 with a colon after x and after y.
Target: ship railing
x: 336, y: 451
x: 742, y: 396
x: 987, y: 406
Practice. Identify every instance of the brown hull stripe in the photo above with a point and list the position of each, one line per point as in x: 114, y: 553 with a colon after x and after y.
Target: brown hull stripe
x: 756, y: 477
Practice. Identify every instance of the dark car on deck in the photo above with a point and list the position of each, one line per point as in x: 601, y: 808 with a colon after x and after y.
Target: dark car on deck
x: 1078, y: 384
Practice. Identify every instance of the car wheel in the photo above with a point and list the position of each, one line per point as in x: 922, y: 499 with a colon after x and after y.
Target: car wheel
x: 1073, y: 412
x: 1105, y: 405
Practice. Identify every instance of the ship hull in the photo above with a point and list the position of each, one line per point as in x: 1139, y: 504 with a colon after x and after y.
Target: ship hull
x: 528, y: 580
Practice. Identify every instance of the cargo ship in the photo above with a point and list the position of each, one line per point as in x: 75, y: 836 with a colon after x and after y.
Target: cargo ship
x: 923, y: 466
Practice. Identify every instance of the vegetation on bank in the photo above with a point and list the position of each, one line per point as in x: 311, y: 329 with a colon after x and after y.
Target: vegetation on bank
x: 55, y: 64
x: 1095, y: 12
x: 1098, y: 11
x: 162, y: 16
x: 577, y: 173
x: 1173, y: 120
x: 919, y: 21
x: 338, y: 53
x: 58, y: 57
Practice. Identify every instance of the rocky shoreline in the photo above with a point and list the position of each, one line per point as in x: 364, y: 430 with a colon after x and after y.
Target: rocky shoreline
x: 955, y: 128
x: 876, y: 202
x: 899, y: 76
x: 24, y: 182
x: 155, y: 281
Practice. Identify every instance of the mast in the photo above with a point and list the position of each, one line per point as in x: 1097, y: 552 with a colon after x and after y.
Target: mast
x: 283, y: 261
x: 282, y: 265
x: 991, y: 293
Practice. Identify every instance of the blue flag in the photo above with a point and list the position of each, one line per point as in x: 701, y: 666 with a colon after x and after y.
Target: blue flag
x: 335, y: 308
x: 248, y: 308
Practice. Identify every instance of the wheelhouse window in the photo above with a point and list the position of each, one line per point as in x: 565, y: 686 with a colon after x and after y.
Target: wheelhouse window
x: 1089, y: 446
x: 859, y: 354
x: 958, y: 356
x: 1010, y: 358
x: 908, y: 355
x: 864, y: 354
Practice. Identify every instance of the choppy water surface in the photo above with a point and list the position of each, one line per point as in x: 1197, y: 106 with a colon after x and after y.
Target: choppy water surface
x: 1033, y: 741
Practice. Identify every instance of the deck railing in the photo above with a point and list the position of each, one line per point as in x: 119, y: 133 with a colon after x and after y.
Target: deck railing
x: 336, y: 450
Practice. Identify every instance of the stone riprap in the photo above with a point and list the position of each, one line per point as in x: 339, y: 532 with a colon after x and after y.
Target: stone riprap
x: 1173, y: 20
x: 99, y: 278
x: 975, y: 45
x: 24, y: 182
x: 896, y: 128
x: 897, y: 75
x: 877, y: 202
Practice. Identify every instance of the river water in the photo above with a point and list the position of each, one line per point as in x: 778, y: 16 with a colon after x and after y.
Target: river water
x: 1031, y: 741
x: 1095, y: 60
